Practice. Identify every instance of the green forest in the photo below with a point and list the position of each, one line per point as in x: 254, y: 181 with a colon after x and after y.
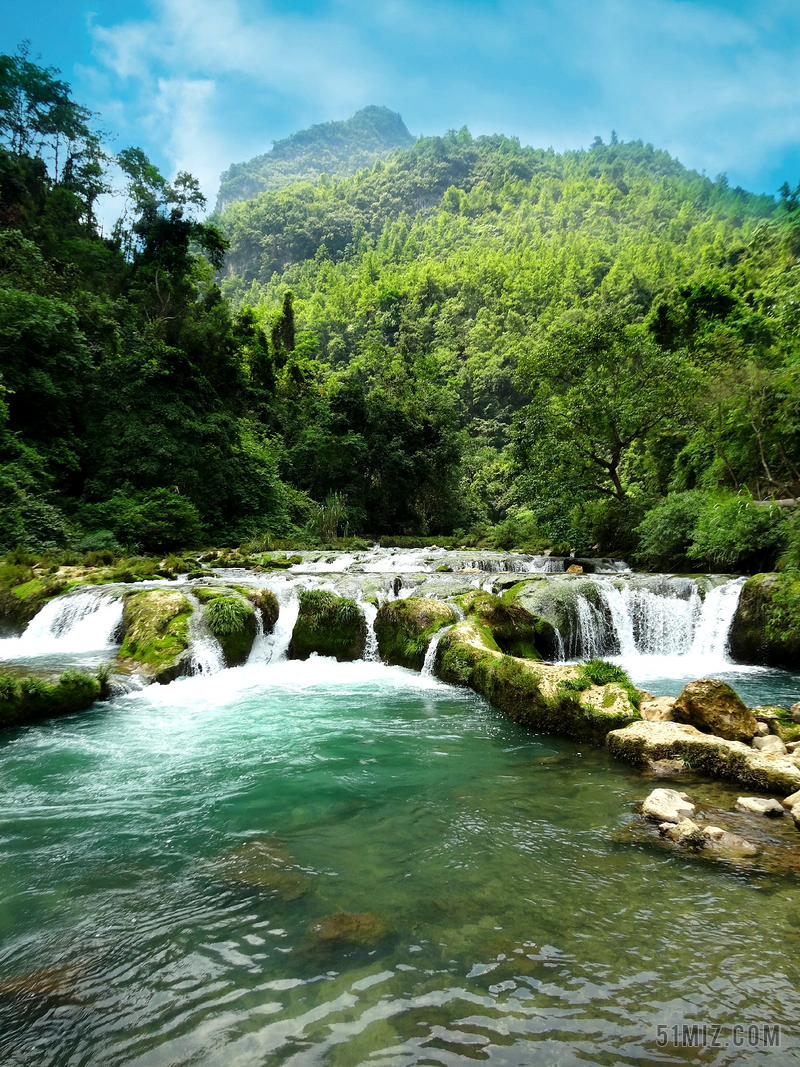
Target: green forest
x: 465, y: 339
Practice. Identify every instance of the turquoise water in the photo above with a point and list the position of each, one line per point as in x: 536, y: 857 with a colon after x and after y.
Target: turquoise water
x: 173, y: 865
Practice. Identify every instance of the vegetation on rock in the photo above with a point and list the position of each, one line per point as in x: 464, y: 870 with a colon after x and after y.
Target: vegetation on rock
x: 232, y: 621
x: 404, y: 629
x: 329, y: 625
x: 29, y: 698
x: 156, y: 634
x: 766, y: 626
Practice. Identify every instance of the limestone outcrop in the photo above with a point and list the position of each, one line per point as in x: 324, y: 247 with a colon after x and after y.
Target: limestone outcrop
x: 642, y: 742
x: 766, y: 626
x: 715, y: 708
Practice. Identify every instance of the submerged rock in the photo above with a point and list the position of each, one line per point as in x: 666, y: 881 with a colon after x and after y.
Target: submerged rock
x: 668, y: 806
x: 329, y: 625
x: 714, y: 707
x: 365, y: 929
x: 759, y: 806
x: 666, y: 768
x: 642, y: 742
x: 733, y: 846
x: 405, y: 628
x: 266, y: 864
x: 156, y: 634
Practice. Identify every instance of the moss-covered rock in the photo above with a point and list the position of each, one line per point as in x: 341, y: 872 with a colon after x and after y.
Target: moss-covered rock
x: 642, y: 742
x: 766, y: 626
x: 232, y: 621
x: 329, y: 625
x: 24, y: 592
x: 156, y: 634
x: 26, y: 699
x: 556, y: 601
x: 404, y: 629
x: 533, y: 694
x: 715, y: 708
x: 514, y: 629
x: 264, y: 602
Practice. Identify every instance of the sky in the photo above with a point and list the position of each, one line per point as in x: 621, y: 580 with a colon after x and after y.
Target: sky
x: 200, y: 84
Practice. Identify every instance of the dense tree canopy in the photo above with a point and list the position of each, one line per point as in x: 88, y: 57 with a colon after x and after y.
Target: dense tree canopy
x: 596, y: 350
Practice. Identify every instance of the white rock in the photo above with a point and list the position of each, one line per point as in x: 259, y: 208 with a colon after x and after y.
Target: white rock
x: 762, y: 730
x: 658, y: 709
x: 792, y: 746
x: 770, y: 745
x: 795, y: 813
x: 759, y: 806
x: 794, y: 711
x: 790, y: 801
x: 668, y: 805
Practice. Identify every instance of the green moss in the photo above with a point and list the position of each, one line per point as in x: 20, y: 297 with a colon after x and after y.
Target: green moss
x: 156, y: 633
x: 766, y: 627
x: 30, y: 698
x: 509, y: 627
x: 232, y: 622
x: 328, y: 625
x: 516, y: 687
x: 404, y: 629
x: 265, y: 602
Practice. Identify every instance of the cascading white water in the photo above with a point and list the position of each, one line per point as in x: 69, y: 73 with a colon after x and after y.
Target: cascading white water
x: 430, y: 655
x: 370, y: 613
x: 660, y: 624
x: 85, y: 621
x: 206, y: 651
x: 276, y: 645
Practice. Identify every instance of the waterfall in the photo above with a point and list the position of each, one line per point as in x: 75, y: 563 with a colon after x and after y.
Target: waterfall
x: 371, y: 653
x: 85, y: 621
x: 276, y: 645
x: 430, y: 655
x: 657, y: 618
x: 206, y: 651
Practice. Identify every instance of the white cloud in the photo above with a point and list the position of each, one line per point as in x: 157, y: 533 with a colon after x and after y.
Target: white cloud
x: 208, y: 82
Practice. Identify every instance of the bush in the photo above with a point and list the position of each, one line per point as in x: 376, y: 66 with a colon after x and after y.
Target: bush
x: 156, y: 521
x: 735, y: 533
x: 227, y: 615
x: 100, y: 541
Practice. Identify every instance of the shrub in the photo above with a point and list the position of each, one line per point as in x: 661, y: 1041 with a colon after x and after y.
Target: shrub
x: 735, y: 533
x: 156, y: 520
x: 100, y: 541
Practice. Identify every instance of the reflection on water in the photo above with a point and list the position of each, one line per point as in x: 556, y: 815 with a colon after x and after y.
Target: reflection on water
x: 344, y: 864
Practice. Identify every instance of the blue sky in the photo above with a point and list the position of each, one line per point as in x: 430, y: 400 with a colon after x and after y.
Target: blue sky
x: 200, y: 84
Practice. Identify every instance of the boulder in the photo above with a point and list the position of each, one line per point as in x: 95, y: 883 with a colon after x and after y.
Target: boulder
x: 668, y: 806
x: 232, y: 621
x: 762, y: 730
x: 790, y: 801
x: 759, y: 806
x: 719, y: 840
x: 766, y: 626
x: 715, y: 708
x: 770, y: 744
x: 557, y: 601
x: 641, y: 742
x: 685, y: 832
x: 795, y: 814
x: 658, y: 709
x: 404, y: 629
x: 329, y: 625
x: 794, y: 711
x: 34, y: 696
x: 574, y: 569
x: 514, y: 629
x: 156, y: 635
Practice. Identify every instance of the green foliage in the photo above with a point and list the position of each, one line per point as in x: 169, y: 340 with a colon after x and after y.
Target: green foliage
x: 156, y: 520
x: 735, y: 533
x: 99, y: 541
x: 227, y: 615
x: 30, y: 698
x: 666, y: 532
x: 601, y: 672
x: 335, y: 149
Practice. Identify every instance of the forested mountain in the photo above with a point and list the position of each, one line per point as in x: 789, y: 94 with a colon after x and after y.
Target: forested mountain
x: 596, y: 350
x: 337, y: 149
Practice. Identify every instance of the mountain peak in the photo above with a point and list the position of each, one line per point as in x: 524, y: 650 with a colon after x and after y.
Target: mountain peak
x: 334, y: 148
